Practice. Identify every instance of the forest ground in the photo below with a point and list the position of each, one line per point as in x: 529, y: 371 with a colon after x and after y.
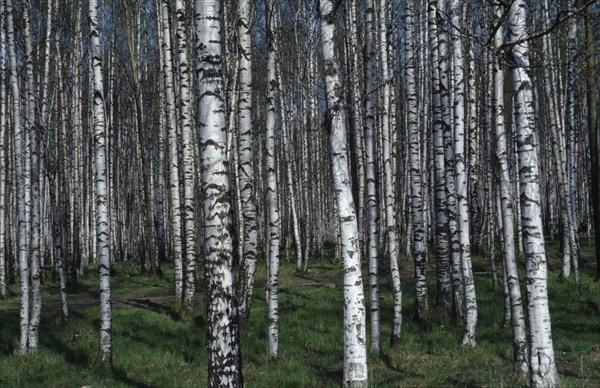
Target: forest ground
x: 153, y: 348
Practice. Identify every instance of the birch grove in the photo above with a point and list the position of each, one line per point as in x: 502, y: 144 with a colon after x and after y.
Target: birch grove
x: 433, y: 155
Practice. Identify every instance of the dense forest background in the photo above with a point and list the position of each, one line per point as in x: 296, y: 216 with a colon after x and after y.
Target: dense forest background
x: 402, y: 133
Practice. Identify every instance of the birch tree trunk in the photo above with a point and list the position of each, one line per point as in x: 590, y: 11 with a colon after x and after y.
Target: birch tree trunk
x: 189, y: 286
x: 355, y: 352
x: 416, y: 185
x: 387, y: 128
x: 175, y: 207
x: 102, y: 232
x: 246, y: 161
x: 542, y: 366
x: 371, y: 174
x: 272, y: 203
x: 442, y: 248
x: 222, y: 326
x: 35, y: 265
x: 3, y: 153
x: 461, y: 174
x: 19, y: 152
x: 506, y: 216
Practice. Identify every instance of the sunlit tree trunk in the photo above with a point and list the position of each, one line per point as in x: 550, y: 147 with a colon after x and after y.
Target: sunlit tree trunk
x: 19, y: 152
x: 102, y: 232
x: 189, y: 286
x: 175, y: 207
x: 416, y: 185
x: 461, y: 173
x: 246, y: 161
x: 506, y: 215
x: 542, y: 366
x: 388, y: 128
x: 222, y: 326
x: 272, y: 202
x: 371, y: 175
x: 442, y: 248
x: 355, y: 352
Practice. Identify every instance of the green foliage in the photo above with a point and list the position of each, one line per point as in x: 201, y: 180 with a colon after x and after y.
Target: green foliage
x: 153, y: 347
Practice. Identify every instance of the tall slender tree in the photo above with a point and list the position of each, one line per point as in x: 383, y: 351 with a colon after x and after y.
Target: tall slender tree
x: 101, y: 191
x: 542, y: 366
x: 222, y: 325
x: 355, y: 352
x: 272, y: 202
x: 246, y: 160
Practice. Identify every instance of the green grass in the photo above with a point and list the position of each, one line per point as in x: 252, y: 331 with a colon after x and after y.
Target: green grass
x: 154, y: 349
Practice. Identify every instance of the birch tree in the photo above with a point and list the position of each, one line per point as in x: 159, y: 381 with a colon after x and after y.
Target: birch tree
x: 101, y: 192
x: 371, y: 175
x: 387, y: 129
x: 19, y: 150
x: 461, y: 175
x: 542, y: 366
x: 442, y: 248
x: 246, y: 160
x: 189, y: 288
x: 222, y: 326
x: 272, y: 203
x: 355, y: 352
x: 416, y: 195
x: 3, y: 153
x: 506, y: 214
x: 171, y: 123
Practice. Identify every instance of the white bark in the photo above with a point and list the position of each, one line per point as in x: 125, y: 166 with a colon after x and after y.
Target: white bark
x: 101, y: 193
x: 188, y: 143
x: 272, y: 202
x: 542, y: 366
x: 222, y: 329
x: 246, y: 160
x: 371, y: 174
x: 442, y: 248
x: 387, y: 128
x: 3, y: 167
x: 355, y: 352
x: 175, y: 207
x: 19, y: 153
x: 461, y: 175
x: 506, y: 216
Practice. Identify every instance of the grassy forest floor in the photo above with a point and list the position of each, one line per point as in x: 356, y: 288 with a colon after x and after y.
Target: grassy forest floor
x: 152, y: 348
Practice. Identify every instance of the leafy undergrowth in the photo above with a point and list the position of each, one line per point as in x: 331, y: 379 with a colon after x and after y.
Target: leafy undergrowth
x: 153, y: 348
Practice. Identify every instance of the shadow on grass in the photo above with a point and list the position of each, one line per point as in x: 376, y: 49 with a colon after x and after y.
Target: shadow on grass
x: 121, y: 375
